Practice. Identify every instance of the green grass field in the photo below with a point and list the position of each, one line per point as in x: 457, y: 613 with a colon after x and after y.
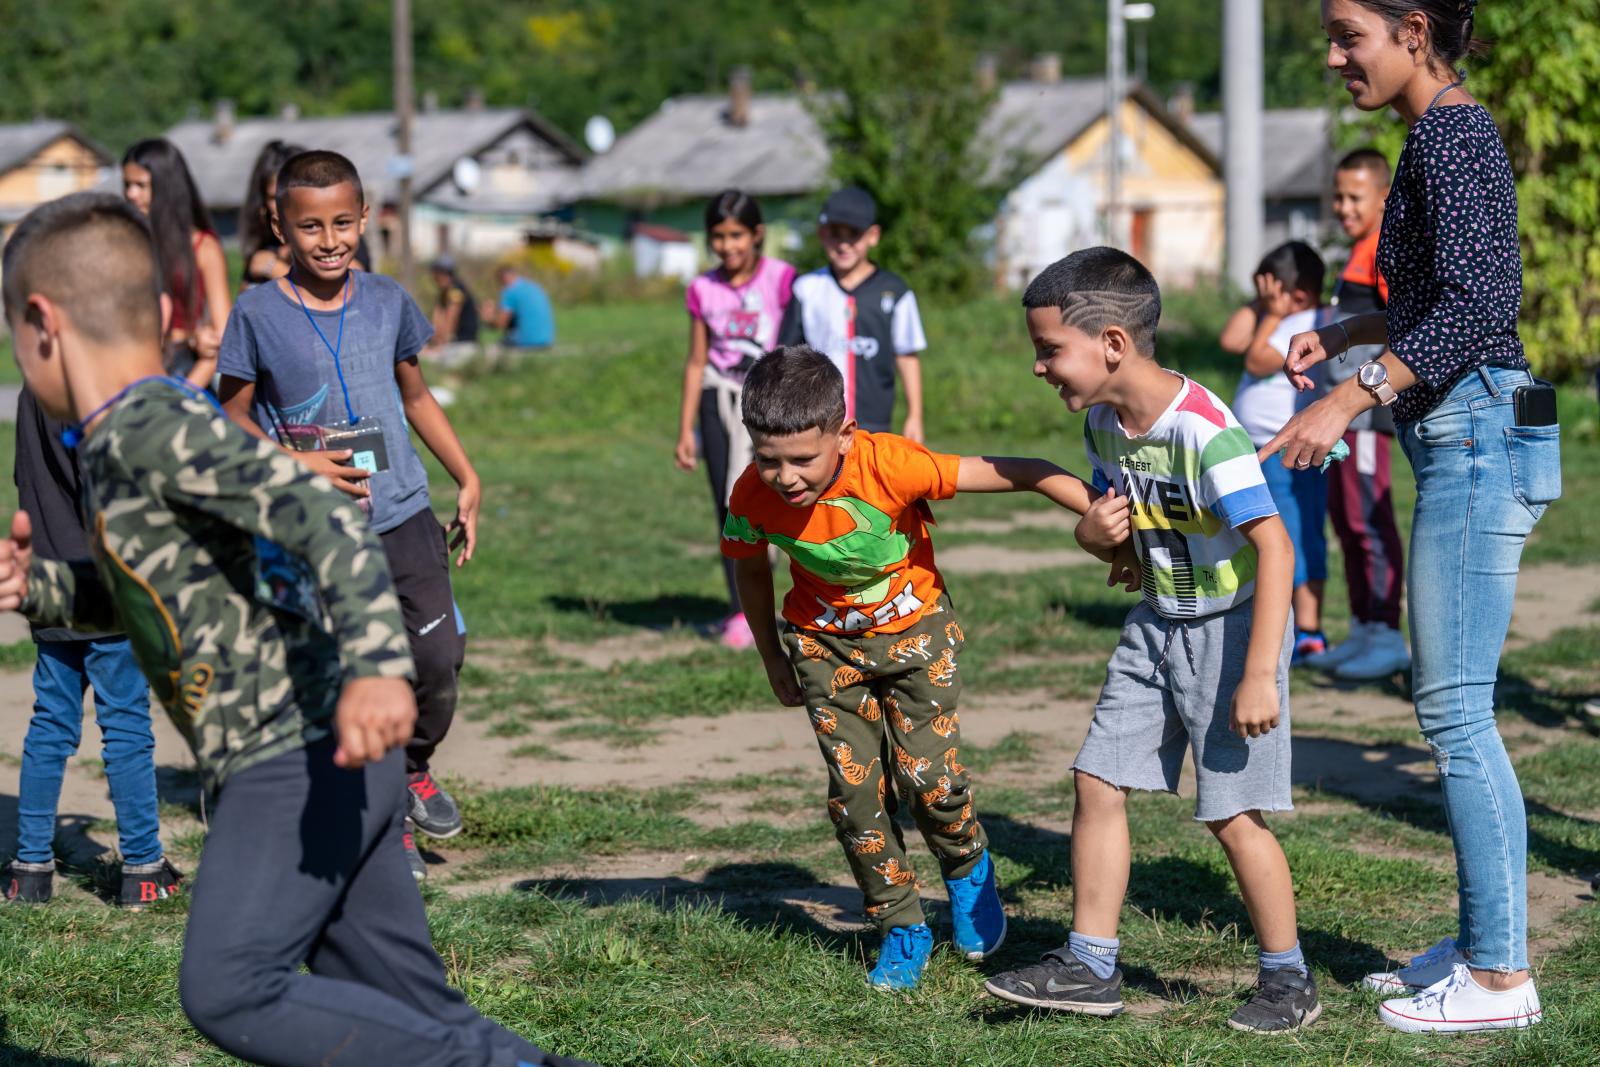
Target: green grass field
x: 590, y: 535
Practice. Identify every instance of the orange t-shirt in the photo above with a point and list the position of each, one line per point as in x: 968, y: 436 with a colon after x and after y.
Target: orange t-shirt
x: 1363, y: 266
x: 861, y: 557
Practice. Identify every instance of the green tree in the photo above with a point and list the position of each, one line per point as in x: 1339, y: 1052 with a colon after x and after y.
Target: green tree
x: 901, y: 118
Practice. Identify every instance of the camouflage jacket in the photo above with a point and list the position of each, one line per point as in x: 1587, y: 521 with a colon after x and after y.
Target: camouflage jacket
x: 250, y: 589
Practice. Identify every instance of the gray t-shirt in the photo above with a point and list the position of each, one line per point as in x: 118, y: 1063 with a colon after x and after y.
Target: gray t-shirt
x: 270, y: 341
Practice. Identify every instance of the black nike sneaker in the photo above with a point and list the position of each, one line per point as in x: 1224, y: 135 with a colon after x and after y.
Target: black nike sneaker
x: 1284, y: 1001
x: 1060, y: 981
x: 146, y: 883
x: 432, y: 810
x: 27, y: 883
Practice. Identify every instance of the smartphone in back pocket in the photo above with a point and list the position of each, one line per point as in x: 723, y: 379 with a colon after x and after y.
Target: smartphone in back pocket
x: 1535, y: 405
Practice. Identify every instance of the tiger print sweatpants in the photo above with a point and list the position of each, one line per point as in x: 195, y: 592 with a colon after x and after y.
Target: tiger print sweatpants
x: 890, y: 700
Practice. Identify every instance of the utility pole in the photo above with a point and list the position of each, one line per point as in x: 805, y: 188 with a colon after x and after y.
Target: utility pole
x: 1116, y: 90
x: 404, y: 109
x: 1242, y: 154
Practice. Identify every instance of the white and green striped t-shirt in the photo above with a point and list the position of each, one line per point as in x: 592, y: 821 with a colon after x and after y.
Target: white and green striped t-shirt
x: 1191, y: 481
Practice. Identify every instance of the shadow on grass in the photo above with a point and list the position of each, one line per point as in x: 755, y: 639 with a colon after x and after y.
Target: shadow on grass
x: 1098, y: 614
x: 12, y: 1056
x: 761, y: 893
x: 657, y: 613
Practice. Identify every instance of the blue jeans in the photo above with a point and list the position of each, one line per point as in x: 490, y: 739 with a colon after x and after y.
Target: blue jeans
x: 1302, y: 499
x: 65, y: 669
x: 1482, y: 482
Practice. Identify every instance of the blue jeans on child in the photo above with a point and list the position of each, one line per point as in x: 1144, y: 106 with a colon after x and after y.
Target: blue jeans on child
x: 64, y: 670
x: 1302, y: 499
x: 1482, y: 483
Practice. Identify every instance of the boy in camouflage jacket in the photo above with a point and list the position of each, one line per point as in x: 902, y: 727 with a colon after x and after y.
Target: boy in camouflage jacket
x: 257, y: 602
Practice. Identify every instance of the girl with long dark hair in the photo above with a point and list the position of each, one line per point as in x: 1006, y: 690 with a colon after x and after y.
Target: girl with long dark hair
x: 735, y: 310
x: 265, y: 257
x: 156, y: 180
x: 1481, y: 435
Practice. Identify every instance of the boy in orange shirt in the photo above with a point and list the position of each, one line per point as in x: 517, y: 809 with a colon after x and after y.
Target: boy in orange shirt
x: 870, y: 640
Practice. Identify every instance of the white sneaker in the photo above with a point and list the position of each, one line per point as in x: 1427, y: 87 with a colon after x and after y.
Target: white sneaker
x: 1457, y: 1004
x: 1345, y: 650
x: 1421, y: 972
x: 1385, y: 653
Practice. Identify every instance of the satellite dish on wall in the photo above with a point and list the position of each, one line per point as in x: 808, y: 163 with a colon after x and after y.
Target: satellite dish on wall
x: 599, y: 134
x: 466, y: 174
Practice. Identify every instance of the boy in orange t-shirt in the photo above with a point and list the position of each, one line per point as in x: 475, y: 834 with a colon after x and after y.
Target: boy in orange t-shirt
x: 870, y: 641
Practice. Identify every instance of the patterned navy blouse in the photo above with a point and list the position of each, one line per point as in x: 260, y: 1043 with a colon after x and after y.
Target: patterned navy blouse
x: 1449, y: 252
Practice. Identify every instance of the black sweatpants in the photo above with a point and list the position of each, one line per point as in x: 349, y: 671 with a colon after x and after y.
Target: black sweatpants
x: 303, y: 864
x: 714, y: 448
x: 419, y: 563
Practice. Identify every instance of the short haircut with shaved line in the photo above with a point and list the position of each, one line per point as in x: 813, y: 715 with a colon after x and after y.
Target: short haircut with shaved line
x: 91, y: 255
x: 1370, y: 160
x: 1099, y: 287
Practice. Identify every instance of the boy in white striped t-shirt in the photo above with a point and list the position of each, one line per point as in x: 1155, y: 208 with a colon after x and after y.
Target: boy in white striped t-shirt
x: 1203, y: 663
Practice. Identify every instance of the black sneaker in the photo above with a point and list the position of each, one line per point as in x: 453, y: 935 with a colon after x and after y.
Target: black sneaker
x: 432, y: 810
x: 27, y: 883
x: 1284, y: 1001
x: 146, y: 883
x: 418, y: 865
x: 1060, y: 982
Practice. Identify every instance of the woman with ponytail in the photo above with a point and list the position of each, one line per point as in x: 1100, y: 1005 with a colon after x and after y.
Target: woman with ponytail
x: 1481, y: 435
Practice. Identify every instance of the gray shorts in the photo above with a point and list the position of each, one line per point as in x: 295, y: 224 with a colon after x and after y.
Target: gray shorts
x: 1171, y: 682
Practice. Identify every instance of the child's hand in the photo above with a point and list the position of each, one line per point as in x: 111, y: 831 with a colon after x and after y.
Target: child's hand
x: 686, y: 455
x: 1275, y: 299
x: 912, y: 430
x: 335, y: 466
x: 374, y: 715
x: 207, y: 342
x: 1104, y: 526
x: 465, y: 525
x: 1306, y: 350
x: 780, y: 674
x: 1125, y: 569
x: 16, y: 556
x: 1255, y: 707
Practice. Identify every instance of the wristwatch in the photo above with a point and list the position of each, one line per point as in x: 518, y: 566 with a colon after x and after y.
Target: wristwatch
x: 1374, y: 378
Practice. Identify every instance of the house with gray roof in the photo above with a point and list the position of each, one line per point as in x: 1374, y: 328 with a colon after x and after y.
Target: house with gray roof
x: 1296, y: 169
x: 481, y: 177
x: 1046, y: 139
x: 42, y: 160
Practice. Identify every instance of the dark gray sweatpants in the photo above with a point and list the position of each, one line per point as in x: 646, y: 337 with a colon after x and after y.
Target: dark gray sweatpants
x: 303, y: 864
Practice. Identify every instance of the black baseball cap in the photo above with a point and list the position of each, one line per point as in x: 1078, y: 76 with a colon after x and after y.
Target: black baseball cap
x: 850, y: 206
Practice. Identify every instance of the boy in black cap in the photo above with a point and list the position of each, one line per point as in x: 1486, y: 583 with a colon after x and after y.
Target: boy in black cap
x: 860, y: 316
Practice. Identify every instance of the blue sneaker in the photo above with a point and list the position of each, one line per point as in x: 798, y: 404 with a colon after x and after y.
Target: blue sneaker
x: 902, y: 957
x: 977, y: 920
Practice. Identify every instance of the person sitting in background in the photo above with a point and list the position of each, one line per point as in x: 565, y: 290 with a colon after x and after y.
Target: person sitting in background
x: 455, y: 316
x: 523, y: 311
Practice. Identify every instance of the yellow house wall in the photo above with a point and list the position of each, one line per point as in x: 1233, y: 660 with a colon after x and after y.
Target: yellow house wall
x: 1167, y: 178
x: 30, y: 183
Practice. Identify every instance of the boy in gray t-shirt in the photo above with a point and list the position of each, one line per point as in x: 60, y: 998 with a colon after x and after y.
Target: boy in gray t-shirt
x: 324, y: 362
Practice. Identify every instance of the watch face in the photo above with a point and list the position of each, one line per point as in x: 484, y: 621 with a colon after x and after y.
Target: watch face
x: 1373, y: 374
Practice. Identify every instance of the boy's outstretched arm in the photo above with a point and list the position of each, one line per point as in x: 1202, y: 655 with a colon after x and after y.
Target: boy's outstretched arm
x: 433, y: 426
x: 1255, y: 702
x: 1009, y: 474
x: 753, y: 576
x: 50, y: 592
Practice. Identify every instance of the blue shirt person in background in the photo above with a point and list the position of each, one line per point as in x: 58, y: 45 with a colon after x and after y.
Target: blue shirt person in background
x: 523, y: 311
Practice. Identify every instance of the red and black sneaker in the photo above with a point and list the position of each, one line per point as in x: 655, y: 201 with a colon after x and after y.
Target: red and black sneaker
x: 431, y: 809
x: 143, y: 884
x: 27, y: 883
x: 414, y: 860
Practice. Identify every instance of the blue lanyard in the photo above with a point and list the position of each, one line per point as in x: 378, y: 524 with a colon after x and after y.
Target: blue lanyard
x: 72, y: 436
x: 338, y: 345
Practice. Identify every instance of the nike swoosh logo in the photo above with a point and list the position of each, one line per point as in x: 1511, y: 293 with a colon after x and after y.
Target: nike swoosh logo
x: 426, y: 630
x: 1051, y: 987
